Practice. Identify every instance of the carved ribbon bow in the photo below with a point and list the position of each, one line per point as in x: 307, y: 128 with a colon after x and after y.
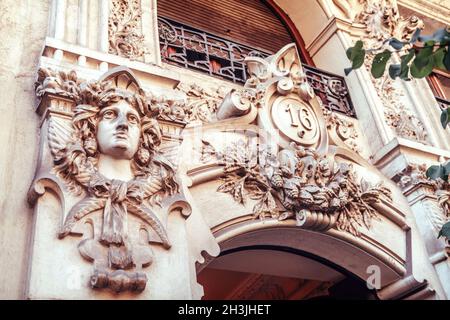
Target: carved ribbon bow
x: 114, y: 229
x: 116, y: 198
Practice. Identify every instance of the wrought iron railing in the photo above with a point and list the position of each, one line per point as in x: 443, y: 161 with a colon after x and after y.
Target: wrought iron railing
x: 443, y: 104
x: 331, y: 89
x: 199, y: 50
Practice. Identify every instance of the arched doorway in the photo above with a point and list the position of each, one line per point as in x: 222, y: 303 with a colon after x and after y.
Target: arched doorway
x: 262, y: 261
x: 278, y: 273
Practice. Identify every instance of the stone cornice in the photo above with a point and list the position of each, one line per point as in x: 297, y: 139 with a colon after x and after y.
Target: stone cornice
x: 92, y: 63
x: 403, y: 152
x: 428, y: 8
x: 334, y: 24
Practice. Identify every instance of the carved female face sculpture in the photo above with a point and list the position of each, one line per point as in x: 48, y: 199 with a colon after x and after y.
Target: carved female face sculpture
x: 118, y: 130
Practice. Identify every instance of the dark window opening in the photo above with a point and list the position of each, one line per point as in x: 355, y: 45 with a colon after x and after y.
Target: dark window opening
x: 440, y: 85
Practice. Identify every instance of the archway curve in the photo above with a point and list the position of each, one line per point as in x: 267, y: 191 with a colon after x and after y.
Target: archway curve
x: 292, y: 29
x: 224, y: 20
x: 339, y: 282
x: 327, y: 248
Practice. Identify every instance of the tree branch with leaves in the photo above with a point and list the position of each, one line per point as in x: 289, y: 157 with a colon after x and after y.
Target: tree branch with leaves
x: 416, y: 58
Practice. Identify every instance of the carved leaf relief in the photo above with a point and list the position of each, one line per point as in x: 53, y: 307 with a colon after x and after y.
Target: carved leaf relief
x: 305, y: 183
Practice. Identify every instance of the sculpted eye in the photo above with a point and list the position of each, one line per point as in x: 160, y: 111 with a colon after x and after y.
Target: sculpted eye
x: 133, y: 119
x: 109, y: 114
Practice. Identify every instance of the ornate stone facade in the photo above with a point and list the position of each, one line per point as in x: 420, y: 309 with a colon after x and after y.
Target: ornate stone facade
x: 298, y: 181
x: 382, y: 21
x: 140, y: 175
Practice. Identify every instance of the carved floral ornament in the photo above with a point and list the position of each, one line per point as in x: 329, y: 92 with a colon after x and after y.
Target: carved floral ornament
x: 125, y: 36
x: 318, y: 191
x: 113, y: 124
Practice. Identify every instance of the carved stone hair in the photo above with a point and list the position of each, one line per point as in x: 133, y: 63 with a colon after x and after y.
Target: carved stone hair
x: 86, y: 119
x: 103, y: 94
x: 74, y: 148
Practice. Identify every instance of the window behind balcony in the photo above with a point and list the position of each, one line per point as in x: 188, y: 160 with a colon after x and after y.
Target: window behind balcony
x: 247, y: 22
x: 215, y: 36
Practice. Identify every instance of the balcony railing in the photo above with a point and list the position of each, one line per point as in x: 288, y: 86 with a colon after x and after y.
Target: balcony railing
x: 195, y: 49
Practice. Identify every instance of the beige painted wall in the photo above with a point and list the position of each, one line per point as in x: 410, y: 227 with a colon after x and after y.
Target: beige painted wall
x: 24, y: 26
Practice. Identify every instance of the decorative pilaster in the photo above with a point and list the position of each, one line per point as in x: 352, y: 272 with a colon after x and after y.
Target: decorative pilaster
x: 109, y: 199
x: 60, y: 19
x: 103, y: 28
x: 83, y: 20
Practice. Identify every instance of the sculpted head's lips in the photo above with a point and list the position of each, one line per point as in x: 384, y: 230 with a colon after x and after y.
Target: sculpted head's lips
x: 121, y: 135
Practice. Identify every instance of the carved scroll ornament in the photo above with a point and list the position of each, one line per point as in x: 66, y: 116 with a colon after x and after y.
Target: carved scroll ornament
x: 344, y: 129
x: 113, y: 122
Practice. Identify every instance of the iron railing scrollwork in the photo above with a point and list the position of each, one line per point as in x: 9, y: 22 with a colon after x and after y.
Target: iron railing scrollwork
x: 199, y: 50
x: 195, y: 49
x: 331, y: 90
x: 443, y: 104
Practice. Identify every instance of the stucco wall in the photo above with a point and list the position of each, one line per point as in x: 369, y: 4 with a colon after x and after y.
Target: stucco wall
x: 24, y: 26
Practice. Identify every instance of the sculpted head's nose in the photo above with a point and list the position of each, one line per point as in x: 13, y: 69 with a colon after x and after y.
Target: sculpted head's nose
x: 122, y: 122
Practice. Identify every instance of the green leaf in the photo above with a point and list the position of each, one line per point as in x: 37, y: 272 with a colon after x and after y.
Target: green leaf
x: 407, y: 57
x: 445, y: 231
x: 404, y: 67
x: 445, y: 117
x: 446, y: 168
x: 446, y: 171
x: 418, y: 70
x: 356, y: 55
x: 358, y: 45
x: 349, y: 52
x: 435, y: 172
x: 394, y: 70
x: 352, y: 52
x: 438, y: 57
x: 423, y: 55
x: 379, y: 63
x: 359, y: 59
x: 396, y: 44
x: 447, y: 59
